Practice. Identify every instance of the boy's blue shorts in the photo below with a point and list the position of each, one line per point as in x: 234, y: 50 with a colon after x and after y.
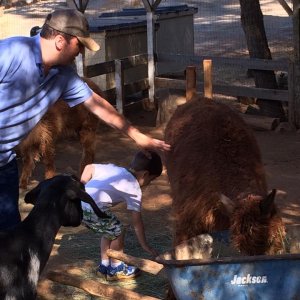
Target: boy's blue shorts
x: 110, y: 228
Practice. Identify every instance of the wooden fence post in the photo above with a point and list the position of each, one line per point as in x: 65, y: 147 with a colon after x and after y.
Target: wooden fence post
x: 190, y: 78
x: 119, y: 80
x: 207, y: 69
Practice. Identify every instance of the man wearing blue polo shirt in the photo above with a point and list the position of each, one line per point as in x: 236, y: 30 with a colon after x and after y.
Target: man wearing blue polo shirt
x: 34, y: 73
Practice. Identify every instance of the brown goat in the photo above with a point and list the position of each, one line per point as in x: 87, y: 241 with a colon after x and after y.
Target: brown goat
x: 218, y: 180
x: 59, y: 121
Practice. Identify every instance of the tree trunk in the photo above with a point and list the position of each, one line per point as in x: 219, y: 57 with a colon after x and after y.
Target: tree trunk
x: 253, y: 26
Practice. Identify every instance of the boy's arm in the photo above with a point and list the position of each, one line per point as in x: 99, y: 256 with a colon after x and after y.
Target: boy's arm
x: 87, y: 173
x: 138, y: 225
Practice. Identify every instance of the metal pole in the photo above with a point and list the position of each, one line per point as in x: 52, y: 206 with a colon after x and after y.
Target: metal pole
x: 150, y: 48
x: 150, y: 6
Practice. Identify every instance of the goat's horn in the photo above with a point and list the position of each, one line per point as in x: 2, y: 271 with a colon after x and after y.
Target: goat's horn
x: 85, y: 197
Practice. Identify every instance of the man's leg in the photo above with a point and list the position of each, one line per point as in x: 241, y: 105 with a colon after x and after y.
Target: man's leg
x: 9, y: 195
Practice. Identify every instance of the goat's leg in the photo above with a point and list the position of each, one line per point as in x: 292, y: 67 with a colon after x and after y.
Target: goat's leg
x: 88, y: 144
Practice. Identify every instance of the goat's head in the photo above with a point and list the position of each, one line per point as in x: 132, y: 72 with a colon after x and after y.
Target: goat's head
x: 256, y: 227
x: 66, y: 192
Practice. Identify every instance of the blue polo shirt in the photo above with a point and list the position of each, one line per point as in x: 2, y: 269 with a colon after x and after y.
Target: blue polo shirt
x: 26, y: 94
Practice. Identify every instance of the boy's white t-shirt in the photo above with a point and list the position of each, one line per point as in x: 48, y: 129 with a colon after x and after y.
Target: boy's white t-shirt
x: 110, y: 185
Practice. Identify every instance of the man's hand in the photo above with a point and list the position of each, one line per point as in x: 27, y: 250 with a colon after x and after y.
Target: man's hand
x: 146, y: 142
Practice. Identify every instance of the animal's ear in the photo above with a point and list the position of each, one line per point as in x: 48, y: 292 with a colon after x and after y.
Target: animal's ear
x: 85, y: 197
x: 228, y: 204
x: 266, y: 204
x: 32, y: 195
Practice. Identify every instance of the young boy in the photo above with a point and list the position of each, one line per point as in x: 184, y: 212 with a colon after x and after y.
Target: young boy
x: 109, y: 185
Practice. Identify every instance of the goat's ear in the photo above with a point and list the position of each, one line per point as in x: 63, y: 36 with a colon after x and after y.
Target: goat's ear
x: 32, y: 195
x: 266, y: 204
x: 85, y: 197
x: 228, y: 204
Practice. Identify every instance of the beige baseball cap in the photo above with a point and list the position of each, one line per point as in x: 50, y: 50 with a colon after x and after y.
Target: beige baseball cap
x: 72, y: 22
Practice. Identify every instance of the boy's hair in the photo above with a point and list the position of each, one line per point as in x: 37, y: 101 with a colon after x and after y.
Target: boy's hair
x: 141, y: 162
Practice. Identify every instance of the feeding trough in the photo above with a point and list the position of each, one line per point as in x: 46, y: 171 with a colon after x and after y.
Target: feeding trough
x: 250, y: 277
x: 235, y: 277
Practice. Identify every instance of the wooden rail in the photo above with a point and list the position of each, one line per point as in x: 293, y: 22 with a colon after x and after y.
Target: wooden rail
x: 117, y: 94
x: 229, y: 90
x: 247, y: 63
x: 191, y: 87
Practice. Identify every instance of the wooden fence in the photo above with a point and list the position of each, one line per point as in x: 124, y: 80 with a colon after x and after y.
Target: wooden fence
x: 118, y: 67
x: 117, y: 94
x: 232, y: 90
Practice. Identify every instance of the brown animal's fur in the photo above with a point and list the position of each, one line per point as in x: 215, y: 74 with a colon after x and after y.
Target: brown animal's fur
x: 59, y: 121
x: 214, y: 154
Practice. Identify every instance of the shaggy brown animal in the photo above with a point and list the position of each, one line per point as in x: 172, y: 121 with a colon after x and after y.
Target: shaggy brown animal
x: 218, y: 179
x: 59, y: 121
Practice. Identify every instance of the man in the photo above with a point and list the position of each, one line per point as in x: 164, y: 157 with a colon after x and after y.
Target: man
x: 34, y: 73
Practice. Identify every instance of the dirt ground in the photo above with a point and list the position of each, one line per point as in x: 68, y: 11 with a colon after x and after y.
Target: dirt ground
x: 77, y: 249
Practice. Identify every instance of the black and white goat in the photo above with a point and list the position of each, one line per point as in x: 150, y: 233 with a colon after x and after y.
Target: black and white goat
x: 25, y: 249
